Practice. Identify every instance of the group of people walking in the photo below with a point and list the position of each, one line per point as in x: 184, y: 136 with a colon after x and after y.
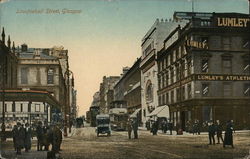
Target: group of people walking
x: 217, y: 129
x: 153, y: 126
x: 46, y: 135
x: 21, y: 137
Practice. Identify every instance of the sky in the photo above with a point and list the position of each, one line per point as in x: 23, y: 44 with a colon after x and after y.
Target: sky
x: 102, y: 37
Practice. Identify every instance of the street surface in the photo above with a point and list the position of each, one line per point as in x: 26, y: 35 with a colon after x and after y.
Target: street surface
x: 84, y: 144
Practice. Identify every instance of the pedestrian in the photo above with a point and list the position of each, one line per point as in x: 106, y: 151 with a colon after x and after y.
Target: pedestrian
x: 154, y: 127
x: 164, y: 126
x: 198, y: 125
x: 135, y: 128
x: 14, y: 132
x: 148, y: 124
x: 228, y: 138
x: 19, y: 138
x: 28, y: 136
x: 39, y: 135
x: 211, y: 133
x: 129, y: 128
x: 46, y: 141
x: 56, y: 139
x: 170, y: 127
x: 218, y: 127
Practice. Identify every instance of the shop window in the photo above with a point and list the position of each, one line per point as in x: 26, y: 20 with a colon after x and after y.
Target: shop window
x: 205, y: 89
x: 247, y: 90
x: 204, y: 65
x: 37, y: 107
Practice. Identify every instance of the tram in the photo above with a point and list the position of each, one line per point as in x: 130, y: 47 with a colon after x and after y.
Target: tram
x: 118, y: 116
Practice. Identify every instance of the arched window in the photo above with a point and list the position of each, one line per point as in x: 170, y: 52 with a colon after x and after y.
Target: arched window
x: 50, y: 76
x: 149, y: 91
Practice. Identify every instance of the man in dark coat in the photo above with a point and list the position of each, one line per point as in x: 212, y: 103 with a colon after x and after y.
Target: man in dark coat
x: 19, y: 138
x: 28, y: 136
x: 211, y: 133
x: 39, y: 135
x: 56, y: 139
x: 129, y: 128
x: 218, y: 127
x: 14, y: 132
x: 164, y: 126
x: 135, y: 128
x: 228, y: 139
x: 154, y: 127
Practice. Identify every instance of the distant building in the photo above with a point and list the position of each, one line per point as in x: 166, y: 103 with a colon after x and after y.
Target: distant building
x: 106, y: 92
x: 203, y: 69
x: 132, y: 90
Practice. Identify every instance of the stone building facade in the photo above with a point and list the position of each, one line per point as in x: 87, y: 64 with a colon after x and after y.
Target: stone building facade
x: 152, y: 42
x: 204, y: 73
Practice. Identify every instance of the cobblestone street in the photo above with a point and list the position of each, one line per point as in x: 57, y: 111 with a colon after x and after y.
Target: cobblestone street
x: 84, y: 144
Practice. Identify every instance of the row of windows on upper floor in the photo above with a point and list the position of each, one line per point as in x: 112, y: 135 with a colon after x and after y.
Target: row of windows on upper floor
x: 185, y: 92
x: 182, y: 70
x: 213, y: 42
x: 25, y: 75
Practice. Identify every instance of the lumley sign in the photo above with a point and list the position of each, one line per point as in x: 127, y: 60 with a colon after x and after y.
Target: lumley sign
x: 223, y: 77
x: 197, y: 44
x: 232, y: 22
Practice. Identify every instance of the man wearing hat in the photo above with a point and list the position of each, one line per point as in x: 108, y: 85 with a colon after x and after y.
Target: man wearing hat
x: 19, y: 136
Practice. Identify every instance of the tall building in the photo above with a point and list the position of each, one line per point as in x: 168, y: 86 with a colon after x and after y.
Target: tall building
x: 204, y: 71
x: 23, y: 104
x: 152, y: 42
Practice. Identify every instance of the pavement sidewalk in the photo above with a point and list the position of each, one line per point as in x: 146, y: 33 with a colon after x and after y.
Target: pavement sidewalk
x: 11, y: 154
x: 186, y: 133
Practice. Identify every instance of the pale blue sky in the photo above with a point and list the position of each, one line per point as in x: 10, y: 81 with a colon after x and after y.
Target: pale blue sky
x: 103, y: 38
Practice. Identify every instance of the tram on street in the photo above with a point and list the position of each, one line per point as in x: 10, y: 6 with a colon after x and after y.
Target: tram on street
x: 118, y: 116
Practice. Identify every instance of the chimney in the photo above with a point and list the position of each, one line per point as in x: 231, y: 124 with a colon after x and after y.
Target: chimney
x: 24, y: 47
x: 3, y: 36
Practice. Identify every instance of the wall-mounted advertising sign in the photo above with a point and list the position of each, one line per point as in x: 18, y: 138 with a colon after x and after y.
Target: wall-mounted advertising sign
x: 197, y: 44
x: 232, y: 22
x: 222, y: 77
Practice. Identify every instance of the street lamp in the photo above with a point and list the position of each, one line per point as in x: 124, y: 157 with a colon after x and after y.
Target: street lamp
x: 67, y: 122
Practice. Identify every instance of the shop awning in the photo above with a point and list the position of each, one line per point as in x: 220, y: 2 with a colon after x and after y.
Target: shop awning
x: 134, y: 114
x: 162, y: 111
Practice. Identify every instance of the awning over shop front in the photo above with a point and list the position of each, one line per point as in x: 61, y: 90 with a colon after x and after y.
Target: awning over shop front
x: 162, y: 111
x: 134, y: 114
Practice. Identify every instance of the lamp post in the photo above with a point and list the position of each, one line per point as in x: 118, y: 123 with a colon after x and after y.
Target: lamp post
x: 67, y: 110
